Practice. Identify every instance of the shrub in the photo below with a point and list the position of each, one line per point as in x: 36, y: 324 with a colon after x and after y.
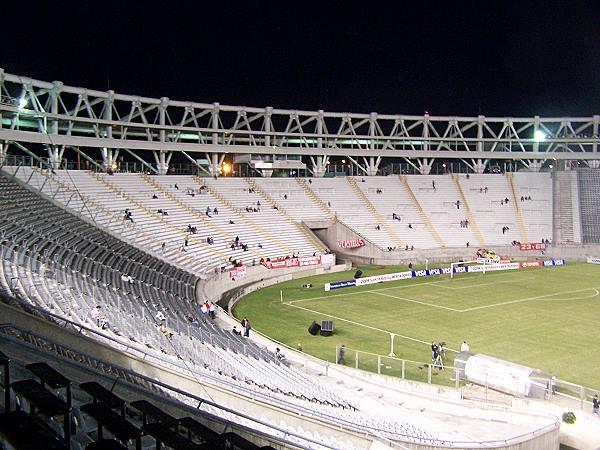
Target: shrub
x: 569, y: 417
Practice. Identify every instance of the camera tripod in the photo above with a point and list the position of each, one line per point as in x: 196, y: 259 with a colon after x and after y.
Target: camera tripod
x: 438, y: 361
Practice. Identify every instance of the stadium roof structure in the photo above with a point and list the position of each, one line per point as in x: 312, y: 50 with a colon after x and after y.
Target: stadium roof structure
x: 92, y: 122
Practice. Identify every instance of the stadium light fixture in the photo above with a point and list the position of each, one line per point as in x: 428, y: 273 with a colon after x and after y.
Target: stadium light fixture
x: 226, y: 168
x: 539, y: 136
x: 22, y: 102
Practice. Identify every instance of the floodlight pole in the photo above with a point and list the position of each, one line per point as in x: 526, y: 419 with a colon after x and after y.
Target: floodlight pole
x: 392, y: 335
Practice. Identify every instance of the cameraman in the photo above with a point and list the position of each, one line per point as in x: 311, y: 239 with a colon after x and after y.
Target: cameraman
x: 434, y: 351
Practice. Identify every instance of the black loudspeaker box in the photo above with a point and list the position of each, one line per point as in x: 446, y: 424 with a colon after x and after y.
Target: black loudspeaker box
x: 314, y: 328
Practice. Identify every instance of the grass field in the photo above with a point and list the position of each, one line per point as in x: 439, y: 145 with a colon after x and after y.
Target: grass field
x: 546, y: 318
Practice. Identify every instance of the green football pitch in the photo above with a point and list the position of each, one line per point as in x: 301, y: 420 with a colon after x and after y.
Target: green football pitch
x: 545, y: 318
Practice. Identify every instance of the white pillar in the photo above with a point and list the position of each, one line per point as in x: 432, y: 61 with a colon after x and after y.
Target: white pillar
x: 535, y: 165
x: 424, y: 166
x: 319, y: 166
x: 594, y: 163
x: 479, y: 166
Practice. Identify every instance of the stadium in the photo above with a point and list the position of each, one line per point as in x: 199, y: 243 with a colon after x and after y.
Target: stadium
x: 270, y: 225
x: 129, y: 283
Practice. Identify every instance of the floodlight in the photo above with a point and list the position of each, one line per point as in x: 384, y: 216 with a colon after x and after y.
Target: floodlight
x: 539, y: 136
x: 22, y: 102
x: 226, y: 168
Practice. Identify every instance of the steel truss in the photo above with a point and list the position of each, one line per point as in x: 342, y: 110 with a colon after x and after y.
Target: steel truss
x: 59, y: 117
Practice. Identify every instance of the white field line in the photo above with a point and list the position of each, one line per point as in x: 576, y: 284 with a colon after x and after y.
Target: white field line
x: 363, y: 292
x: 596, y: 293
x: 455, y: 288
x: 365, y: 326
x: 539, y: 297
x: 435, y: 283
x: 433, y: 305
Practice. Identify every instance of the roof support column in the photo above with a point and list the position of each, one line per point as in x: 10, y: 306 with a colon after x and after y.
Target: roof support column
x: 372, y: 165
x: 479, y: 165
x: 424, y: 166
x: 162, y: 161
x: 215, y: 163
x: 595, y: 126
x: 54, y: 152
x: 319, y: 165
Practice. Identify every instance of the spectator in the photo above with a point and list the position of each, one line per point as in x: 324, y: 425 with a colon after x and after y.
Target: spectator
x: 176, y: 187
x: 299, y: 347
x: 98, y: 317
x: 410, y: 226
x: 485, y: 190
x: 212, y: 310
x: 410, y: 266
x: 163, y: 247
x: 154, y: 196
x: 160, y: 317
x: 412, y: 247
x: 522, y: 198
x: 342, y: 355
x: 186, y: 242
x: 433, y: 184
x: 231, y: 222
x: 457, y: 204
x: 464, y: 347
x: 595, y: 404
x: 467, y: 245
x: 215, y: 211
x: 236, y: 331
x: 246, y: 326
x: 280, y: 355
x: 285, y: 196
x: 506, y: 200
x: 164, y: 330
x: 377, y: 227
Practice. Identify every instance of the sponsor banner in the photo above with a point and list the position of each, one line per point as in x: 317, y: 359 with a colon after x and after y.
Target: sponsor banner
x: 383, y: 278
x: 302, y: 261
x: 498, y: 374
x: 238, y: 272
x: 526, y: 264
x: 440, y: 271
x: 492, y: 267
x: 532, y: 246
x: 505, y: 261
x: 488, y: 260
x: 554, y: 262
x: 593, y: 260
x: 352, y: 243
x: 340, y: 284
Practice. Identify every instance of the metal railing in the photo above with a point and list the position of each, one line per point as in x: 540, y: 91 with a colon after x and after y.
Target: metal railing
x: 560, y: 391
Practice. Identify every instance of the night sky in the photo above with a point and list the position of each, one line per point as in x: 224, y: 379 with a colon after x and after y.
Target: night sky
x: 458, y: 58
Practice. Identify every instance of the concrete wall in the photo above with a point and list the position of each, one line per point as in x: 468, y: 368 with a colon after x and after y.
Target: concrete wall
x: 371, y: 254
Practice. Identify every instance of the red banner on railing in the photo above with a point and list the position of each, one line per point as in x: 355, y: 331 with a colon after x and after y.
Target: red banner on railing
x: 532, y: 246
x: 526, y: 264
x: 352, y: 243
x: 301, y: 261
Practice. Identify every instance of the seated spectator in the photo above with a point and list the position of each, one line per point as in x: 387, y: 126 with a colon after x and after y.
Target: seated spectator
x: 176, y: 187
x: 160, y: 317
x: 215, y: 211
x: 164, y: 330
x: 231, y: 222
x: 98, y: 317
x: 154, y: 196
x: 236, y: 331
x: 280, y: 355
